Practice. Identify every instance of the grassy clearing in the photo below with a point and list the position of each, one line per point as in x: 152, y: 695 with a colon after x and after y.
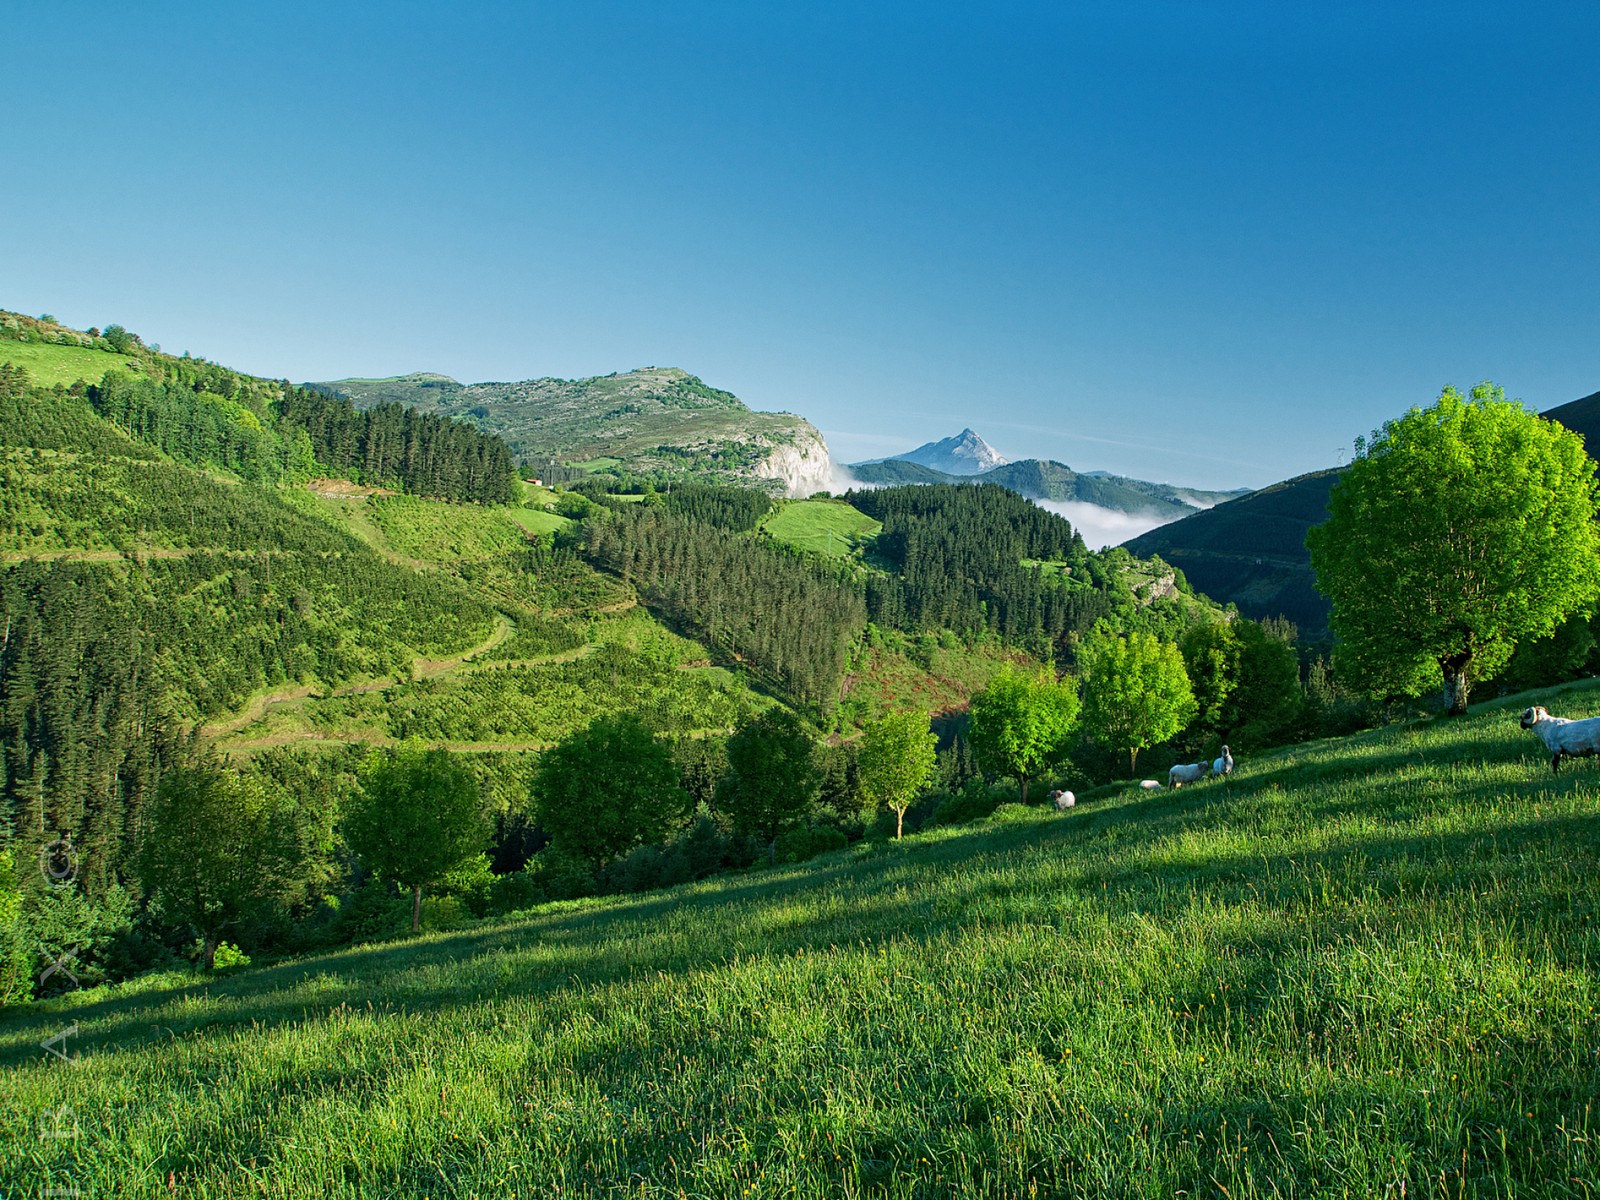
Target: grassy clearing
x: 826, y: 526
x: 538, y: 521
x: 1357, y: 968
x: 49, y: 365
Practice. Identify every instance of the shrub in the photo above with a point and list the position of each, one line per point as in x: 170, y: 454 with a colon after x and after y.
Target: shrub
x: 229, y: 957
x: 971, y: 803
x: 799, y: 845
x: 515, y: 891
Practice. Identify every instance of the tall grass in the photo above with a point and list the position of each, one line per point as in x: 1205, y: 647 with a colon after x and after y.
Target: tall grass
x: 1356, y: 968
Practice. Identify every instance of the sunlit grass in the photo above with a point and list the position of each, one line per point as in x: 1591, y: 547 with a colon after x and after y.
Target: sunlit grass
x: 48, y: 365
x: 1356, y: 968
x: 826, y: 526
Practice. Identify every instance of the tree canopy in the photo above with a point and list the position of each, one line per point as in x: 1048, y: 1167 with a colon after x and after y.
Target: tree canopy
x: 773, y: 778
x: 1136, y: 691
x: 897, y: 757
x: 417, y: 814
x: 1458, y: 531
x: 216, y: 844
x: 607, y: 788
x: 1021, y: 724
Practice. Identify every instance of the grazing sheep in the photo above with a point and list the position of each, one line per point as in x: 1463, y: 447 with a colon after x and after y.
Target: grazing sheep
x: 1064, y: 800
x: 1187, y: 773
x: 1150, y: 785
x: 1223, y: 765
x: 1563, y: 737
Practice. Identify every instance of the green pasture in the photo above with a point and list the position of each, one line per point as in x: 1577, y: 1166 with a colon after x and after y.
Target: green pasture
x: 826, y: 526
x: 49, y: 364
x: 1356, y: 968
x: 539, y: 521
x: 596, y: 464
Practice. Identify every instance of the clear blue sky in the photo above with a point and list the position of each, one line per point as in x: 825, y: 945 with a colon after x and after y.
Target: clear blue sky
x: 1208, y: 243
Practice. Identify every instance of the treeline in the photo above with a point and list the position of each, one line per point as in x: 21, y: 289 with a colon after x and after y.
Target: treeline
x: 206, y: 415
x: 425, y: 454
x: 736, y: 509
x: 957, y: 553
x: 793, y: 619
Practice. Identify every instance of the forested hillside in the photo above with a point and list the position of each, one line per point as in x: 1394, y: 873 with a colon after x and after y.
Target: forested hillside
x: 262, y: 595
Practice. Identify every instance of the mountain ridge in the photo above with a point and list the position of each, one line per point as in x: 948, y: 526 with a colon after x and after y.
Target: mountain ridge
x: 650, y: 420
x: 1046, y: 480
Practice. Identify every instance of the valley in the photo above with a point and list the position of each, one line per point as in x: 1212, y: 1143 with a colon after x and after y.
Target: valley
x: 1361, y: 960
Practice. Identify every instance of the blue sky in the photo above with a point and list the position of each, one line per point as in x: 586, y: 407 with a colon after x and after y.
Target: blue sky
x: 1206, y: 243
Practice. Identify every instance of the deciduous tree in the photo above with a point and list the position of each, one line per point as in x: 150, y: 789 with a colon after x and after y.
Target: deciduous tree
x: 1135, y: 691
x: 416, y: 814
x: 897, y: 757
x: 608, y: 788
x: 773, y: 778
x: 1021, y: 724
x: 216, y: 845
x: 1458, y: 531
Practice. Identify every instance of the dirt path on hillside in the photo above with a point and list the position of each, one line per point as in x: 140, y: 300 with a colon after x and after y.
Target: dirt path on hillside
x: 421, y: 668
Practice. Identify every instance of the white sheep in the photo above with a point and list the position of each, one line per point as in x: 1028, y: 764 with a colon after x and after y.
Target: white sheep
x: 1150, y: 785
x: 1187, y: 773
x: 1064, y: 800
x: 1223, y: 765
x: 1563, y: 737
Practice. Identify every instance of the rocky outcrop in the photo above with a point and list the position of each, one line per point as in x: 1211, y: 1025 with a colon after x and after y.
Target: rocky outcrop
x: 803, y: 466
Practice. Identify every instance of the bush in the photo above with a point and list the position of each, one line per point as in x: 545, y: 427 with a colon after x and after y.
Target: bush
x: 800, y: 845
x: 471, y: 883
x: 972, y: 803
x: 561, y: 876
x: 374, y: 912
x: 444, y: 912
x: 1012, y: 811
x: 513, y: 892
x: 229, y: 957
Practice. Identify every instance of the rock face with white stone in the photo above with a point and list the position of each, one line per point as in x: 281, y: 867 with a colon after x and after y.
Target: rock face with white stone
x: 803, y: 465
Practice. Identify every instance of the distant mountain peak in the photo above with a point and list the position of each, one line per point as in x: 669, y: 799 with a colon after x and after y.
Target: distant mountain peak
x: 964, y: 454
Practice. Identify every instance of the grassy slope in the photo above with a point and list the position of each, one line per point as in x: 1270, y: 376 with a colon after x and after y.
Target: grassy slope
x: 1354, y: 966
x: 50, y: 364
x: 829, y: 527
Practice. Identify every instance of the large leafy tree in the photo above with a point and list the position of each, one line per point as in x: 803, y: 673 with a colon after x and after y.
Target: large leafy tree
x: 1458, y: 531
x: 1023, y: 723
x: 773, y: 776
x: 897, y: 757
x: 216, y: 845
x: 416, y: 815
x: 1136, y: 691
x: 607, y: 788
x: 1246, y: 680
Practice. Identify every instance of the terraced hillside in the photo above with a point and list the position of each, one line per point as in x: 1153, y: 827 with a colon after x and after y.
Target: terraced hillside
x: 1355, y: 968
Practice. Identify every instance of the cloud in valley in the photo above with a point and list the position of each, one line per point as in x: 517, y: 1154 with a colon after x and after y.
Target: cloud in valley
x: 1102, y: 527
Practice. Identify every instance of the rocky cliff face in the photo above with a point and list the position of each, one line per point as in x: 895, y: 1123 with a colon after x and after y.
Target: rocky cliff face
x: 802, y: 466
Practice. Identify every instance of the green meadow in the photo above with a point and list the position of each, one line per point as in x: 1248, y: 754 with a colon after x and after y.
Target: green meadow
x: 825, y: 526
x: 48, y: 364
x: 1364, y: 967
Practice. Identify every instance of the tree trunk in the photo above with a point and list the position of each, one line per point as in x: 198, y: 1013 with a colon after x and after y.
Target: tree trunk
x: 1455, y: 685
x: 208, y: 951
x: 1023, y: 780
x: 1133, y: 762
x: 899, y: 822
x: 416, y: 908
